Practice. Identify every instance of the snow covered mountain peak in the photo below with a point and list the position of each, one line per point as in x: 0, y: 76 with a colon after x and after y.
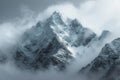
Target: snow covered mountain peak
x: 54, y: 42
x: 104, y: 34
x: 56, y: 18
x: 56, y: 15
x: 47, y: 43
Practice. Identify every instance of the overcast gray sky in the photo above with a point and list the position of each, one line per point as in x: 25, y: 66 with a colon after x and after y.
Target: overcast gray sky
x: 10, y: 9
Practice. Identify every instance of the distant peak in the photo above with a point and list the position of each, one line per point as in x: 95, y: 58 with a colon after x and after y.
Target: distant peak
x: 104, y: 34
x: 75, y: 23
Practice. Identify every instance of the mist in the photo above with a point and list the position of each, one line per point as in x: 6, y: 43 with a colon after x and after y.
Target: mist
x: 97, y: 15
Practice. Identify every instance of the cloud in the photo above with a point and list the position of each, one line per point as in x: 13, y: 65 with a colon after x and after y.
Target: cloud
x: 104, y: 14
x: 11, y: 31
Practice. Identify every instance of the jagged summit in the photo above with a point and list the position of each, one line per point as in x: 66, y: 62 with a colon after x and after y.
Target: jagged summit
x: 55, y: 18
x: 56, y: 15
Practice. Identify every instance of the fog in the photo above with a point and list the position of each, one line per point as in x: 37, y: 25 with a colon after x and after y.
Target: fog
x: 98, y: 15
